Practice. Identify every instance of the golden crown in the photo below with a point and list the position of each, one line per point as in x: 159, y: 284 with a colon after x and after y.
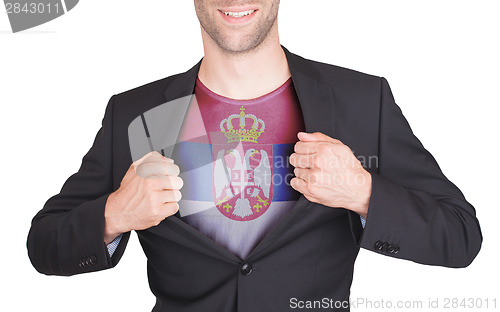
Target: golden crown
x: 242, y: 134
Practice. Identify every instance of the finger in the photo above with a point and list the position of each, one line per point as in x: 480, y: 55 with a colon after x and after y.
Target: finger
x: 170, y: 196
x: 301, y: 173
x: 168, y: 209
x: 146, y: 156
x: 172, y: 169
x: 157, y: 169
x: 302, y: 147
x: 163, y: 184
x: 151, y: 170
x: 301, y: 186
x: 157, y: 157
x: 311, y: 176
x: 152, y: 156
x: 171, y: 208
x: 316, y: 137
x: 313, y: 147
x: 172, y: 183
x: 298, y: 184
x: 161, y: 169
x: 302, y: 161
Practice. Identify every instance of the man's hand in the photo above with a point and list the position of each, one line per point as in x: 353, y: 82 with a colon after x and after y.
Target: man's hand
x: 327, y: 172
x: 148, y: 193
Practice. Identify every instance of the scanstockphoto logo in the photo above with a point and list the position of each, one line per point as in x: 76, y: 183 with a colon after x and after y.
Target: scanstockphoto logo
x: 28, y: 14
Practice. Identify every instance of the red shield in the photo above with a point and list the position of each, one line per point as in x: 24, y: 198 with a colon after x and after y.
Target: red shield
x: 242, y: 179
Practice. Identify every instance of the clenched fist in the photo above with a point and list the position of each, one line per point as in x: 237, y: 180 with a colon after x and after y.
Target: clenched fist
x: 327, y: 172
x: 148, y: 193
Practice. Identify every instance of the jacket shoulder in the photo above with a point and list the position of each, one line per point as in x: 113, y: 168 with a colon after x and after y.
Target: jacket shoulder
x: 130, y: 104
x: 150, y: 91
x: 338, y: 75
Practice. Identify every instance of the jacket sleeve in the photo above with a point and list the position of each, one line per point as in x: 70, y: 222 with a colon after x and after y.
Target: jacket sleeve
x: 67, y: 236
x: 415, y: 212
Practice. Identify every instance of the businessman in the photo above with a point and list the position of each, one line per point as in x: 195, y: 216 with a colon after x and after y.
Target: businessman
x: 250, y: 182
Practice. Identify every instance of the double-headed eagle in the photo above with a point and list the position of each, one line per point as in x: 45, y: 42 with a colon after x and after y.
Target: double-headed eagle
x: 222, y: 179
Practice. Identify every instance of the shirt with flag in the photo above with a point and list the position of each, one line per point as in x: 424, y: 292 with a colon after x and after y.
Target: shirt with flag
x: 233, y: 158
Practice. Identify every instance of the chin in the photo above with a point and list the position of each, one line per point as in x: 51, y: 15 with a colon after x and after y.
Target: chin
x: 239, y: 44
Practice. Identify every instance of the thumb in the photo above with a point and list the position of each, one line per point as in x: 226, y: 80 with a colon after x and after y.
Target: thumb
x: 316, y: 137
x: 152, y: 156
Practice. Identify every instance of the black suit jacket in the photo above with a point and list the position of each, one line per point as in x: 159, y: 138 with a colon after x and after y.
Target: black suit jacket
x: 415, y: 212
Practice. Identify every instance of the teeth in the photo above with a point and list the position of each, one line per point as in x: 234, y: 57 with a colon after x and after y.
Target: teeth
x: 239, y: 14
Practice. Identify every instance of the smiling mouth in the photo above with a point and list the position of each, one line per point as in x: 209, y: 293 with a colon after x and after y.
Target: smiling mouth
x: 239, y: 14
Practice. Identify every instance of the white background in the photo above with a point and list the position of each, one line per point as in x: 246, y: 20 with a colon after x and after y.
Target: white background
x: 441, y: 59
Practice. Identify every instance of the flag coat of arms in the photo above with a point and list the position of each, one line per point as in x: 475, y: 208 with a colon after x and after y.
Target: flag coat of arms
x: 242, y: 174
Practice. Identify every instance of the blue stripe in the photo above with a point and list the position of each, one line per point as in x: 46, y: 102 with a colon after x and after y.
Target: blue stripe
x: 283, y: 173
x: 195, y: 163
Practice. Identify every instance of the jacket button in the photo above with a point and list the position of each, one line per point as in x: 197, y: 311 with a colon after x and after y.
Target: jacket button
x: 378, y: 245
x: 385, y: 245
x: 390, y: 249
x: 83, y: 263
x: 93, y: 260
x: 246, y: 269
x: 396, y: 249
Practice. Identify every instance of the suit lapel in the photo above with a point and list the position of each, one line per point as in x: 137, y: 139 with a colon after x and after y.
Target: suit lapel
x: 315, y: 98
x: 318, y: 109
x: 178, y: 96
x: 183, y: 84
x: 158, y: 128
x: 317, y: 105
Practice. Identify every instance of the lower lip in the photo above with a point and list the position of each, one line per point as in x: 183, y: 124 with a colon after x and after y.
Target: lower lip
x: 237, y: 20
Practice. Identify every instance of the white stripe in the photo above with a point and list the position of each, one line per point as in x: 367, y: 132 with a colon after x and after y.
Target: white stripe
x: 188, y: 207
x: 63, y: 3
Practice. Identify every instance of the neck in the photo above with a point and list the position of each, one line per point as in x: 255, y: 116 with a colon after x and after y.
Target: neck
x: 244, y: 75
